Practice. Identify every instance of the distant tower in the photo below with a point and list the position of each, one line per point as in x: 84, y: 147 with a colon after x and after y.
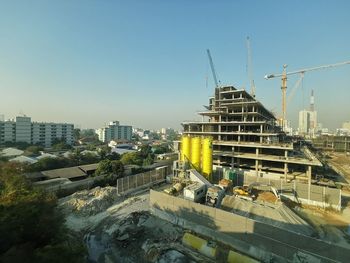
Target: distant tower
x: 312, y: 101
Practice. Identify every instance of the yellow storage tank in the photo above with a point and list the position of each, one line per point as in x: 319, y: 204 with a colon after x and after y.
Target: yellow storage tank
x: 186, y: 149
x: 196, y: 144
x: 207, y: 157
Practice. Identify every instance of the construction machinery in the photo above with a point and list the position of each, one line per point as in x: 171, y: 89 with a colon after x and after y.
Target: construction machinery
x: 284, y: 75
x: 244, y: 192
x: 226, y: 185
x: 214, y: 196
x: 175, y: 189
x: 195, y: 192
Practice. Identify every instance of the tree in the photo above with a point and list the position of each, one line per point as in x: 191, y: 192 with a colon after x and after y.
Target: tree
x: 132, y: 158
x: 113, y: 156
x: 33, y: 150
x: 76, y: 134
x: 31, y: 228
x: 161, y: 149
x: 104, y: 167
x: 103, y: 151
x: 148, y: 161
x: 60, y: 144
x: 117, y: 168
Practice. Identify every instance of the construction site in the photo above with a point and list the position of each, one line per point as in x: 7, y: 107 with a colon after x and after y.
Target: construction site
x: 240, y: 191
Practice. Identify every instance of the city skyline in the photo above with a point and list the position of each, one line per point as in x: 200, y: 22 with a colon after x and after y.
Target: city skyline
x: 145, y: 64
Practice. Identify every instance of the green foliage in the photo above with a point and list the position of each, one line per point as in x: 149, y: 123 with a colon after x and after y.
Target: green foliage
x: 49, y: 163
x: 159, y: 149
x: 18, y: 145
x: 113, y: 156
x: 145, y: 150
x: 109, y: 167
x: 148, y: 161
x: 31, y: 228
x: 76, y: 134
x: 173, y: 136
x: 60, y: 145
x: 33, y: 150
x: 144, y: 157
x: 132, y: 158
x: 103, y: 151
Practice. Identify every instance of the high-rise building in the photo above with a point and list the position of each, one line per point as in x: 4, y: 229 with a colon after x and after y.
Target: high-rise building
x: 22, y: 129
x: 114, y: 131
x: 308, y: 119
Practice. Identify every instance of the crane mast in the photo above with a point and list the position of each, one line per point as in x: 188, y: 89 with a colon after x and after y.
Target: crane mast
x: 250, y: 68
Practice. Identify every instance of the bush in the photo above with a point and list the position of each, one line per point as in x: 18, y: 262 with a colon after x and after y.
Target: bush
x: 31, y: 228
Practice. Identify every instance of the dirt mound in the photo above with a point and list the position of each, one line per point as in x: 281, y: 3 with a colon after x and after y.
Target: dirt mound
x: 89, y: 202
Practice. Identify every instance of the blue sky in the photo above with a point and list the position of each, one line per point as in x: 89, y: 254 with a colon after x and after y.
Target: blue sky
x: 144, y: 62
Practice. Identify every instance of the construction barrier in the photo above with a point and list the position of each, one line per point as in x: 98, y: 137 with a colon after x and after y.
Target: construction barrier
x: 256, y: 239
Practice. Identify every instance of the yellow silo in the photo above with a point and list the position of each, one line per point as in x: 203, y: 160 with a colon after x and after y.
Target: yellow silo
x: 196, y: 153
x: 207, y: 157
x: 186, y: 149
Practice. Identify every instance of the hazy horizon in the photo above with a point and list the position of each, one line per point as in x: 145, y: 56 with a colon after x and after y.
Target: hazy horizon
x: 145, y: 63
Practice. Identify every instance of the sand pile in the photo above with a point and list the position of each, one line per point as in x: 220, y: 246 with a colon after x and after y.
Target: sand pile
x: 89, y: 202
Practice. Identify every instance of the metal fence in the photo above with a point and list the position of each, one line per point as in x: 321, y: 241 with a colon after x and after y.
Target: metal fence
x: 123, y: 184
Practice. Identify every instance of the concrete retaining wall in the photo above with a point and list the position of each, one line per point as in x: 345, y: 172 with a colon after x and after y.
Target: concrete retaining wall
x: 259, y: 240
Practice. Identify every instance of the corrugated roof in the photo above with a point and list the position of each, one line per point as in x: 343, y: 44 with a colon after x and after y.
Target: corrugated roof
x: 23, y: 159
x: 71, y: 172
x: 8, y: 152
x: 88, y: 167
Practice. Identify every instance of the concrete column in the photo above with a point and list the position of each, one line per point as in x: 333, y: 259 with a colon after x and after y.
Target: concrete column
x: 285, y: 171
x: 261, y: 139
x: 257, y: 152
x: 261, y: 128
x: 286, y: 154
x: 257, y: 168
x: 309, y: 181
x: 239, y: 138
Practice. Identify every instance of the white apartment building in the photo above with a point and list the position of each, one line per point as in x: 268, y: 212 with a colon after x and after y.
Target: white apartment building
x: 22, y: 129
x: 114, y: 131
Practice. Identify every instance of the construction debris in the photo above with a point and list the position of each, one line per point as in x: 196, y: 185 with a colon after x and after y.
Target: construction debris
x: 90, y: 202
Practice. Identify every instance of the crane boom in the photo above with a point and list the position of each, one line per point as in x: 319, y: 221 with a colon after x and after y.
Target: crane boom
x: 213, y: 69
x: 307, y: 69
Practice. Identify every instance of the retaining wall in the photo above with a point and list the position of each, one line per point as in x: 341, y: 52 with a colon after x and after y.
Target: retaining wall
x: 259, y: 240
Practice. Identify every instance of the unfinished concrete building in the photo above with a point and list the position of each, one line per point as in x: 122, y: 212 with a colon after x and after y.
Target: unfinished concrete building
x: 247, y: 138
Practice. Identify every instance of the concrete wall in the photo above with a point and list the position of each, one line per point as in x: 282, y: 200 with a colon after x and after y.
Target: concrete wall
x: 261, y: 241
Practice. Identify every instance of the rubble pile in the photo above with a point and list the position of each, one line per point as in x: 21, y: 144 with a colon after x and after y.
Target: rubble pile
x: 89, y: 202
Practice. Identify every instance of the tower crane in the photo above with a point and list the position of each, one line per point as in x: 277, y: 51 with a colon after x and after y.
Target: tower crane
x: 213, y: 69
x: 250, y: 68
x: 284, y: 75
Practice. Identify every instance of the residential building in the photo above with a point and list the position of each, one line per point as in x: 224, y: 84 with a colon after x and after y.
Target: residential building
x: 22, y: 129
x: 114, y: 131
